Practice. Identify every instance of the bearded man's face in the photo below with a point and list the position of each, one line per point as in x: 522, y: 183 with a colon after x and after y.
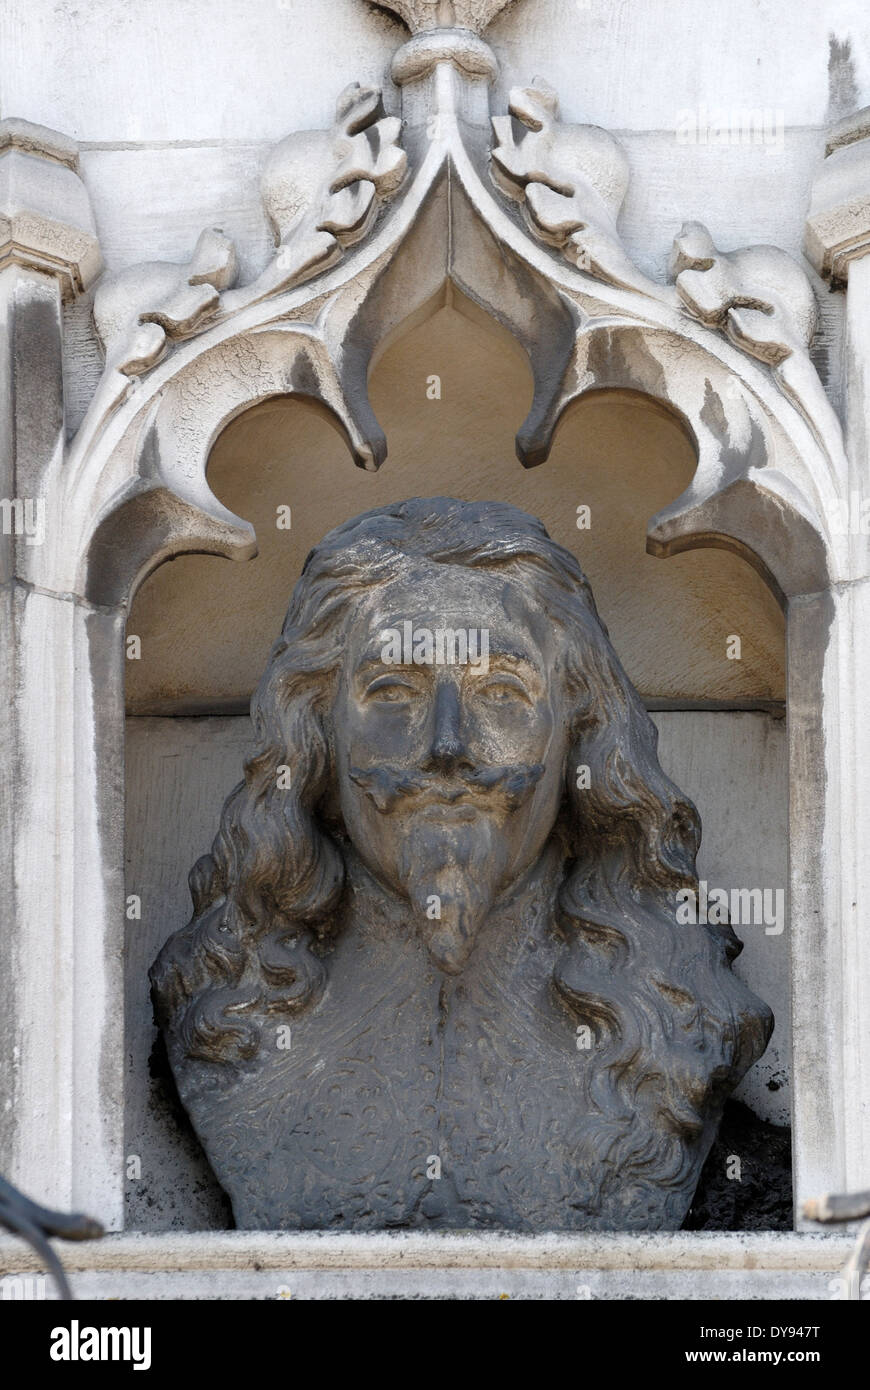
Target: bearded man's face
x: 450, y: 770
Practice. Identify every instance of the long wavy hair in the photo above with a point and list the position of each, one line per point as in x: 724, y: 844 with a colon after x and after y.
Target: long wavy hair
x: 674, y: 1028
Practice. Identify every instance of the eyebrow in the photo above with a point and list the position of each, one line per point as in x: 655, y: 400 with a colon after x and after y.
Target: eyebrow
x: 372, y: 660
x: 374, y: 666
x: 515, y: 657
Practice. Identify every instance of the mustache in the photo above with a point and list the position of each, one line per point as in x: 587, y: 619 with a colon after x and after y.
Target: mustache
x: 509, y: 785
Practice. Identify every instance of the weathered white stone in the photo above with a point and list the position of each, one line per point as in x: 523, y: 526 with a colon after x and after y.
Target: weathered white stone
x: 403, y: 1265
x: 839, y: 217
x: 194, y: 72
x: 131, y: 490
x: 209, y: 70
x: 59, y: 981
x: 828, y: 675
x: 46, y: 223
x: 151, y: 204
x: 206, y: 630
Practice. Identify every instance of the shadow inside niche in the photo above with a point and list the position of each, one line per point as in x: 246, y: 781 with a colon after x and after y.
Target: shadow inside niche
x: 166, y: 1101
x: 760, y: 1199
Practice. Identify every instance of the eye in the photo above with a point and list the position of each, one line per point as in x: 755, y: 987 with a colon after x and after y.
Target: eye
x: 502, y: 689
x: 390, y: 689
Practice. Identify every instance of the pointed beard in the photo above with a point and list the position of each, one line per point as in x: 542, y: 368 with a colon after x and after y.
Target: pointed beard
x: 452, y: 874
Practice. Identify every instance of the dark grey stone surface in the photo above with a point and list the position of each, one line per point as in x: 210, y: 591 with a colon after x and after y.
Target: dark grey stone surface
x: 432, y: 976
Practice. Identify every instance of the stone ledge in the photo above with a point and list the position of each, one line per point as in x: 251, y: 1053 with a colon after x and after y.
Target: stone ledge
x: 238, y: 1265
x: 233, y: 1250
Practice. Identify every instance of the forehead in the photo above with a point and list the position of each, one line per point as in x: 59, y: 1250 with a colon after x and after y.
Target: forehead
x: 456, y: 596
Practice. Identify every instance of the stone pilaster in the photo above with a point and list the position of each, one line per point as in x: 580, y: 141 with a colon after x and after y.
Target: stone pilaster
x: 830, y: 820
x: 61, y: 1136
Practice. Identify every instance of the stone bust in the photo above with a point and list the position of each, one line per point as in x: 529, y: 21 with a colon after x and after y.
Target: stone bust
x: 433, y: 975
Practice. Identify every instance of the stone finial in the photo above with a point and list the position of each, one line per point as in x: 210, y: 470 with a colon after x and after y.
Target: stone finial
x: 838, y: 225
x: 46, y: 222
x: 424, y: 15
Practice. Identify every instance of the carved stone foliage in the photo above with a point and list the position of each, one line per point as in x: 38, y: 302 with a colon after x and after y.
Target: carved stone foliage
x: 571, y: 180
x: 372, y: 221
x: 137, y: 310
x: 321, y: 190
x: 429, y: 978
x: 364, y: 239
x: 450, y: 1051
x: 758, y: 295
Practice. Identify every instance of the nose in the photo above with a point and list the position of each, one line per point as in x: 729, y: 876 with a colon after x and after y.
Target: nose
x: 447, y: 750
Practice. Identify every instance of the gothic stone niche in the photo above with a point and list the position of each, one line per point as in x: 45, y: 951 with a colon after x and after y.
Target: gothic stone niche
x: 434, y: 975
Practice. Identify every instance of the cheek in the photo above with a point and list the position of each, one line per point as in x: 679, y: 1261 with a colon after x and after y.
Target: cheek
x: 355, y: 807
x: 515, y: 732
x: 553, y: 753
x: 356, y: 725
x: 381, y: 731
